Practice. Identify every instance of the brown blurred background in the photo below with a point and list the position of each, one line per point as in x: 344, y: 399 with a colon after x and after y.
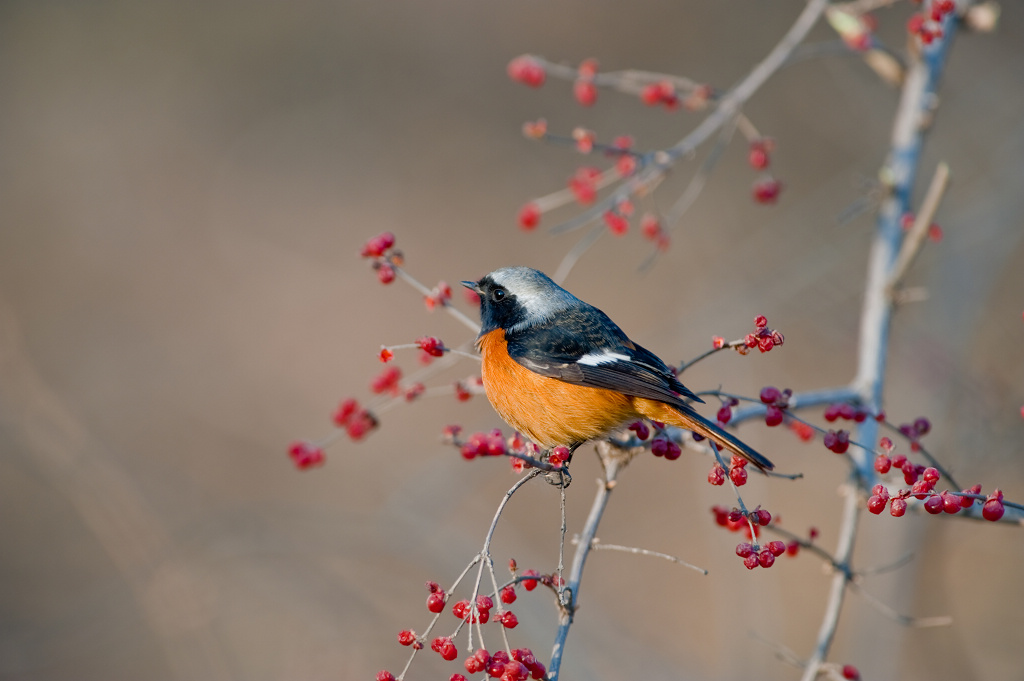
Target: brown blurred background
x: 184, y: 187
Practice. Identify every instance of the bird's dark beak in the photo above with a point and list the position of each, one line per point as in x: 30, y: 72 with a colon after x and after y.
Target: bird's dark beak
x: 472, y: 286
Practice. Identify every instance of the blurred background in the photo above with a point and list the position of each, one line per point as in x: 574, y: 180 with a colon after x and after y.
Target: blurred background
x: 184, y: 190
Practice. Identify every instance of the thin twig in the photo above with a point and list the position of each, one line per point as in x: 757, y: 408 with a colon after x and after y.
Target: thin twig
x: 905, y: 620
x: 919, y: 231
x: 597, y: 544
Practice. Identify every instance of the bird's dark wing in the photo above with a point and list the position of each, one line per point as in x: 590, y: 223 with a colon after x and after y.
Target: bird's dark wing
x: 587, y: 348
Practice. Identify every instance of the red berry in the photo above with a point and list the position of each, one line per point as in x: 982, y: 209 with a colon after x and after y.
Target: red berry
x: 850, y: 672
x: 898, y: 507
x: 967, y: 502
x: 758, y: 156
x: 529, y: 216
x: 585, y: 91
x: 931, y: 475
x: 876, y: 504
x: 526, y: 70
x: 738, y: 476
x: 617, y: 224
x: 406, y: 637
x: 770, y: 394
x: 530, y: 584
x: 773, y: 415
x: 724, y: 414
x: 993, y: 509
x: 448, y: 650
x: 387, y: 381
x: 882, y: 464
x: 751, y: 561
x: 777, y: 548
x: 640, y: 429
x: 761, y: 516
x: 435, y: 602
x: 766, y: 558
x: 933, y: 504
x: 508, y: 595
x: 743, y: 550
x: 378, y: 245
x: 508, y: 620
x: 345, y: 411
x: 305, y: 455
x: 767, y: 190
x: 716, y: 476
x: 385, y: 675
x: 950, y: 502
x: 386, y: 274
x: 837, y: 441
x: 793, y: 547
x: 922, y: 426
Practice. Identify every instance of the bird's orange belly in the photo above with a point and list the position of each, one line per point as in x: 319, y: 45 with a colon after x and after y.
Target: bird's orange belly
x: 548, y: 411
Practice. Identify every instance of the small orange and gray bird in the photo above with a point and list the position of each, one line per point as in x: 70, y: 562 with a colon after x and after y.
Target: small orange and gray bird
x: 562, y: 373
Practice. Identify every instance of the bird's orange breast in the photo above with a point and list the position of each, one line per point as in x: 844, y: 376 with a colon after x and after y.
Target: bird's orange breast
x: 549, y: 411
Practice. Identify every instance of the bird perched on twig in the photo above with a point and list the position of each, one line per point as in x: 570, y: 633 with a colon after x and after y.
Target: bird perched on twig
x: 561, y: 372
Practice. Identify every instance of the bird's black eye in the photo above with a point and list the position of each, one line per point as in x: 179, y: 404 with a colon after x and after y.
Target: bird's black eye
x: 498, y: 294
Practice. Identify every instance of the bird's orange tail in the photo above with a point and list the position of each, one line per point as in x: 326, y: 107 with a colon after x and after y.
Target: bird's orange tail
x: 684, y: 417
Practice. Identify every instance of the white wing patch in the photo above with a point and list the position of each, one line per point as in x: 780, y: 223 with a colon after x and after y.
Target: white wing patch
x: 600, y: 357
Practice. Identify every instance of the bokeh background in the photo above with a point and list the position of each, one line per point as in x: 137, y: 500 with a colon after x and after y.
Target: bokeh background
x: 184, y: 188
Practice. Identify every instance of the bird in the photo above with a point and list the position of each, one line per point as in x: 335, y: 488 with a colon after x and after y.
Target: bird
x: 561, y: 372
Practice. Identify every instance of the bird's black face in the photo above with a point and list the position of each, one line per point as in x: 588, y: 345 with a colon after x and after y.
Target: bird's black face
x: 499, y: 308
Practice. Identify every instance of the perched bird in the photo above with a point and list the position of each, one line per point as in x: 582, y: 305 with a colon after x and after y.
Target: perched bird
x: 562, y: 373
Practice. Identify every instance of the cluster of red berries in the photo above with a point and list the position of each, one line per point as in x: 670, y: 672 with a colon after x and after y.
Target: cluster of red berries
x: 664, y: 93
x: 306, y: 455
x: 735, y: 521
x: 737, y: 472
x: 654, y: 231
x: 776, y: 402
x: 387, y: 381
x: 640, y: 429
x: 625, y: 159
x: 754, y: 556
x: 617, y: 219
x: 522, y: 664
x: 438, y: 296
x: 583, y: 184
x: 432, y: 346
x: 763, y: 338
x: 356, y: 420
x: 661, y: 446
x: 915, y: 431
x: 382, y: 249
x: 527, y: 70
x: 584, y: 89
x: 843, y: 410
x: 837, y: 441
x: 926, y: 23
x: 922, y: 483
x: 484, y: 444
